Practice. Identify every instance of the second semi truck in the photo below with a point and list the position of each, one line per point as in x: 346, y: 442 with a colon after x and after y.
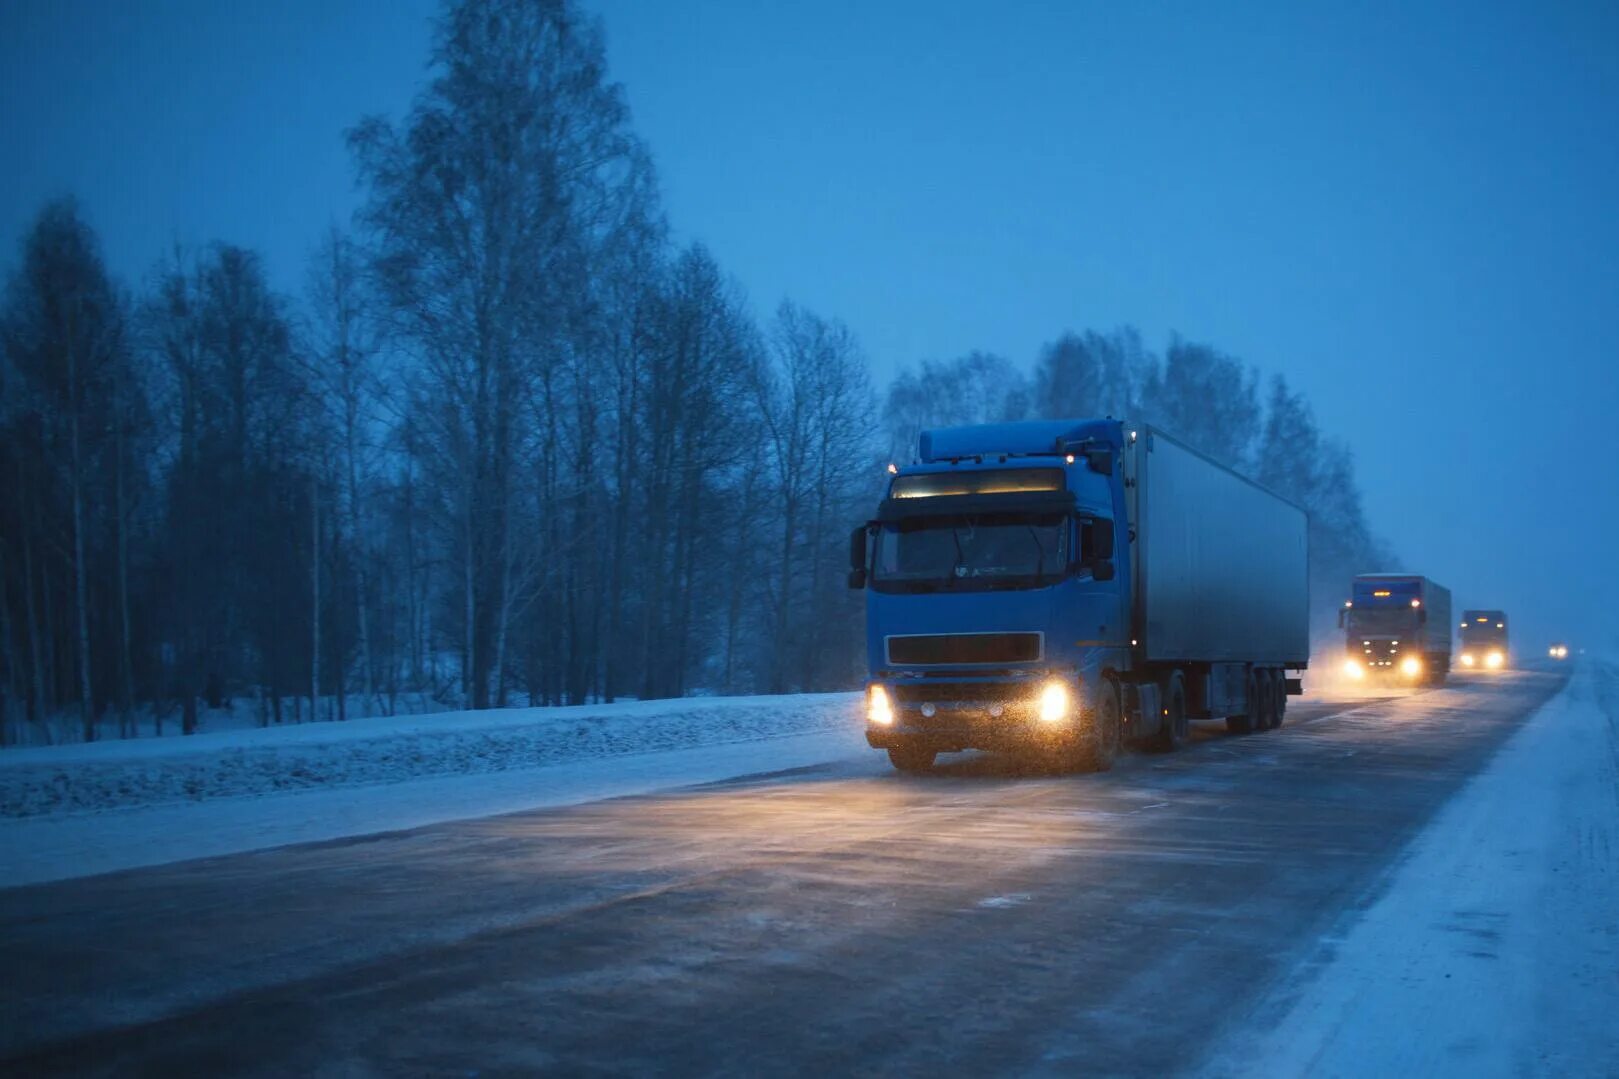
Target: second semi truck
x: 1397, y: 628
x: 1060, y: 586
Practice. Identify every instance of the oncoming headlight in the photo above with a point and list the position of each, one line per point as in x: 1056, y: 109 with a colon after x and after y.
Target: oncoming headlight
x: 1494, y: 660
x: 1353, y: 669
x: 879, y: 712
x: 1467, y: 659
x: 1410, y: 666
x: 1055, y: 702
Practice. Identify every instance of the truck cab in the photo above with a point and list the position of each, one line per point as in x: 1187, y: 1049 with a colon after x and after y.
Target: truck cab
x: 996, y: 609
x: 1483, y: 641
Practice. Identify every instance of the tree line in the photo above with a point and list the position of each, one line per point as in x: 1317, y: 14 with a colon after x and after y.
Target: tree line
x: 509, y: 444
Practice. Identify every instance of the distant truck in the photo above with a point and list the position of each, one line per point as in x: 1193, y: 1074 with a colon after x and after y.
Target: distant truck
x: 1059, y: 587
x: 1397, y: 628
x: 1483, y: 644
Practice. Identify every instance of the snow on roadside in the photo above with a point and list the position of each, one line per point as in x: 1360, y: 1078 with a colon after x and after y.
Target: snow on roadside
x: 40, y: 849
x: 388, y: 749
x: 1495, y: 948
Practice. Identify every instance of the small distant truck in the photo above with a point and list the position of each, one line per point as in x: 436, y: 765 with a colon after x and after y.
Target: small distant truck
x: 1397, y: 629
x: 1059, y: 587
x: 1483, y: 644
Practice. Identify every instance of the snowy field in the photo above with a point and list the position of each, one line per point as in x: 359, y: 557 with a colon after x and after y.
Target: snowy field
x: 76, y: 810
x: 1493, y: 948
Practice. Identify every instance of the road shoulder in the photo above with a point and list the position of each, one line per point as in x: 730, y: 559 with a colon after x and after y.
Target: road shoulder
x: 1493, y: 947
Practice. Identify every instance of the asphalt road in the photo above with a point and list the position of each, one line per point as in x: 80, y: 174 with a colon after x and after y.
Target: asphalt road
x: 837, y: 919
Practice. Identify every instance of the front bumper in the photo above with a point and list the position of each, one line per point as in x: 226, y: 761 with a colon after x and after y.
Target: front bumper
x: 995, y: 716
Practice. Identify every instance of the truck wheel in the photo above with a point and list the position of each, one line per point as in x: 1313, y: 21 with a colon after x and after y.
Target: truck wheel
x: 911, y: 759
x: 1100, y: 742
x: 1265, y: 694
x: 1172, y: 727
x: 1244, y: 724
x: 1278, y: 713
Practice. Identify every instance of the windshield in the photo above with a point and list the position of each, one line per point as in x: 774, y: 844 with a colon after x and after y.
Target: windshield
x: 972, y: 552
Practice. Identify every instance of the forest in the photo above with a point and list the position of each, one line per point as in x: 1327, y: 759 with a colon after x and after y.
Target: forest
x: 508, y: 445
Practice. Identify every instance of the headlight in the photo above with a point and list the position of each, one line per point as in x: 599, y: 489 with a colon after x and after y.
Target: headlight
x: 1494, y: 660
x: 1410, y: 666
x: 878, y: 711
x: 1467, y: 659
x: 1353, y: 669
x: 1055, y: 701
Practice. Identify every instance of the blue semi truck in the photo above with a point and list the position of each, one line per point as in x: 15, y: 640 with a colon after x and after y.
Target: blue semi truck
x: 1061, y: 587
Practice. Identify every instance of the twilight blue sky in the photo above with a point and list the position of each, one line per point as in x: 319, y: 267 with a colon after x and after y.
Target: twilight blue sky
x: 1414, y: 215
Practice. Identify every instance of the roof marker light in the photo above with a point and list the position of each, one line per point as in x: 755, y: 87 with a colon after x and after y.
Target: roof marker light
x: 893, y: 469
x: 1416, y: 603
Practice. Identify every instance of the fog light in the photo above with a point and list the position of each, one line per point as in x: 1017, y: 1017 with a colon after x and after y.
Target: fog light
x: 878, y: 711
x: 1055, y: 702
x: 1410, y: 666
x: 1494, y: 660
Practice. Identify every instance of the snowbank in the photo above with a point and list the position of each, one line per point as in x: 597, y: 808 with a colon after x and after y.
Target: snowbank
x: 388, y: 749
x: 1495, y: 948
x: 46, y: 848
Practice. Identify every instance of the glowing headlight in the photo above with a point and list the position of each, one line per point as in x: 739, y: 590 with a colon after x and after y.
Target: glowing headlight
x: 878, y: 711
x: 1494, y: 660
x: 1353, y: 669
x: 1467, y: 659
x: 1055, y: 702
x: 1410, y: 666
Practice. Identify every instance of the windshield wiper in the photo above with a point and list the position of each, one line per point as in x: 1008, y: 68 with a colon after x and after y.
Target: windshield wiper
x: 1040, y: 566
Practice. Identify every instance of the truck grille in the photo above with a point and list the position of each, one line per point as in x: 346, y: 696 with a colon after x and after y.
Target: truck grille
x: 916, y: 693
x: 942, y: 648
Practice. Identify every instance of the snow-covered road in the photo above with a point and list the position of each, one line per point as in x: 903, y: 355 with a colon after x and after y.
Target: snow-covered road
x: 838, y: 916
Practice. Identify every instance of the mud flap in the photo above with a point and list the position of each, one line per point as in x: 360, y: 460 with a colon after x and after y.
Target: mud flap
x: 1143, y: 712
x: 1295, y: 686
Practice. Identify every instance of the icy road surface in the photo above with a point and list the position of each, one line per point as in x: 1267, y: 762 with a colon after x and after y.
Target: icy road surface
x: 1176, y: 915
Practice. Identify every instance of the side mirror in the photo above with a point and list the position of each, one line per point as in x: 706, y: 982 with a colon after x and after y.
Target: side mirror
x: 857, y: 557
x: 1343, y: 612
x: 1100, y: 461
x: 1103, y: 571
x: 1102, y: 540
x: 1422, y: 614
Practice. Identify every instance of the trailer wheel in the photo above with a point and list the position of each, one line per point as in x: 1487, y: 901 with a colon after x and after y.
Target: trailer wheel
x: 1100, y: 742
x: 1278, y: 712
x: 912, y: 760
x: 1245, y: 723
x: 1265, y: 694
x: 1172, y: 725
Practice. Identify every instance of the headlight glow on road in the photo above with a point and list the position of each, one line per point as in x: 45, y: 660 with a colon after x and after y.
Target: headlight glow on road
x: 879, y: 711
x: 1494, y: 660
x: 1055, y: 701
x: 1410, y: 666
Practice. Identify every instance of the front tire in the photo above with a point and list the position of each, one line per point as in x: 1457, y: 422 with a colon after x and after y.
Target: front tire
x: 912, y: 760
x: 1100, y: 741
